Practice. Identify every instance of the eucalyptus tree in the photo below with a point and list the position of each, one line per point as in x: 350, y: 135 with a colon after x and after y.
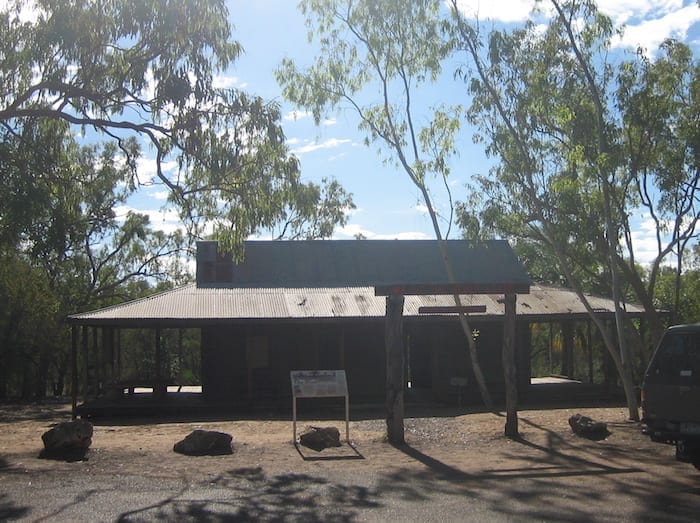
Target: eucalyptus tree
x: 660, y: 103
x: 91, y: 92
x: 145, y: 76
x: 554, y: 112
x: 373, y: 55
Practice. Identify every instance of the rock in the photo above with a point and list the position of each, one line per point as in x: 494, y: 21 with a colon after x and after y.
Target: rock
x: 69, y: 440
x: 205, y: 443
x: 319, y: 438
x: 586, y: 427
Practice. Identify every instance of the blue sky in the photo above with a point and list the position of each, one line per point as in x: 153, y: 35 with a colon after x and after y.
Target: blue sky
x: 388, y: 206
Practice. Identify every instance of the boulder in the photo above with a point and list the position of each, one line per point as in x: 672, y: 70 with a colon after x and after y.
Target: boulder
x: 319, y: 438
x: 69, y: 440
x: 205, y: 443
x: 586, y: 427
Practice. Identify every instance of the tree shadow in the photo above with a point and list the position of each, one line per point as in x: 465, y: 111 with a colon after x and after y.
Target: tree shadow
x: 337, y: 454
x: 248, y: 494
x: 553, y: 482
x: 9, y: 511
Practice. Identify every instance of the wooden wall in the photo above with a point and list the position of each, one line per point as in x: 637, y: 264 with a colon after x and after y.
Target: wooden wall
x: 248, y: 363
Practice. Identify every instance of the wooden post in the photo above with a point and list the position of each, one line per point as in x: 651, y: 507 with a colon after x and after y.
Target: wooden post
x: 158, y: 387
x: 567, y: 353
x: 119, y: 353
x: 108, y: 349
x: 98, y: 365
x: 159, y: 356
x: 509, y: 367
x: 86, y: 367
x: 393, y: 337
x: 590, y: 351
x: 74, y: 370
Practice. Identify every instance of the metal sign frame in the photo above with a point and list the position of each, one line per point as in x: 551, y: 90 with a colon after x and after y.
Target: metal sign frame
x: 319, y: 384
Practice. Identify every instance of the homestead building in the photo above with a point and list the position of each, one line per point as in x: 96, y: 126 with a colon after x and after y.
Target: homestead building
x: 307, y: 305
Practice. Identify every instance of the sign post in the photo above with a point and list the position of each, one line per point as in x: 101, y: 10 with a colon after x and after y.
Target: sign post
x: 319, y: 384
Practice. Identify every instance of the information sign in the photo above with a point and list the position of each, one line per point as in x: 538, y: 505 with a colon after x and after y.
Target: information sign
x: 319, y: 384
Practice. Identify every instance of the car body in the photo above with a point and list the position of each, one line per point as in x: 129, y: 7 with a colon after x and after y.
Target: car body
x: 671, y: 392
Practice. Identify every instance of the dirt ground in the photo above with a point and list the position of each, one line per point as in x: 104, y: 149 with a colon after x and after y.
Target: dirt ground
x: 145, y: 445
x: 548, y: 473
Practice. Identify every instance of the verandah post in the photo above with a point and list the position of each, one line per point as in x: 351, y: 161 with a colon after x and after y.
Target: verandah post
x: 509, y: 366
x: 393, y: 336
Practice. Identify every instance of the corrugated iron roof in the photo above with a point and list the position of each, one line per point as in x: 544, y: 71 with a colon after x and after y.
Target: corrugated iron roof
x: 196, y: 305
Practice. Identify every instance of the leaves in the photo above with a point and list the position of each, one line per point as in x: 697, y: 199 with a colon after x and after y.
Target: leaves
x: 144, y: 74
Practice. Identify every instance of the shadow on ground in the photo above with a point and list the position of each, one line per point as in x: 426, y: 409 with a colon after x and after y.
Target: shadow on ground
x: 553, y: 483
x: 254, y: 496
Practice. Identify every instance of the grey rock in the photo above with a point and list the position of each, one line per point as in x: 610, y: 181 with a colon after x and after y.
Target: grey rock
x: 319, y: 438
x: 76, y: 434
x: 587, y: 427
x: 69, y: 441
x: 205, y: 443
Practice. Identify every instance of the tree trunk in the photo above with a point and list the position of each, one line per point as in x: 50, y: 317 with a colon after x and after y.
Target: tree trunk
x: 393, y: 336
x: 509, y: 367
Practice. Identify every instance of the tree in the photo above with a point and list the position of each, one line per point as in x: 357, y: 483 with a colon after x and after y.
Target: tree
x: 81, y: 108
x: 144, y: 74
x: 547, y: 107
x: 684, y: 305
x: 29, y: 327
x: 660, y: 104
x: 382, y: 51
x: 59, y: 226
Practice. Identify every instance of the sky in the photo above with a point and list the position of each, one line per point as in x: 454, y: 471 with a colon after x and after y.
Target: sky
x: 388, y: 205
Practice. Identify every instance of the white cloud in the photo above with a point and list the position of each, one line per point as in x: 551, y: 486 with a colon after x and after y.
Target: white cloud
x: 227, y: 82
x: 644, y: 242
x: 645, y: 248
x: 648, y: 34
x: 147, y: 169
x: 351, y: 230
x: 647, y: 22
x: 310, y: 146
x: 622, y: 11
x: 28, y: 12
x: 160, y: 195
x: 500, y: 11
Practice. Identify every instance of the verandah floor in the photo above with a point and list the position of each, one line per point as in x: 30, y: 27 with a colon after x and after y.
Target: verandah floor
x: 190, y: 403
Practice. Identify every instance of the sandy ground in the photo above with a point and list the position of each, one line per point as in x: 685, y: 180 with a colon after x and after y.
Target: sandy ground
x: 549, y: 474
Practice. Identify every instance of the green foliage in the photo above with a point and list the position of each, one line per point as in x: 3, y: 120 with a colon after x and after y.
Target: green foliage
x: 660, y: 103
x: 581, y: 144
x: 144, y: 73
x: 372, y: 56
x: 30, y: 329
x: 125, y: 77
x: 680, y: 296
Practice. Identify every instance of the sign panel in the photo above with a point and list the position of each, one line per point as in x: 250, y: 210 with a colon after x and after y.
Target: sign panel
x: 318, y: 383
